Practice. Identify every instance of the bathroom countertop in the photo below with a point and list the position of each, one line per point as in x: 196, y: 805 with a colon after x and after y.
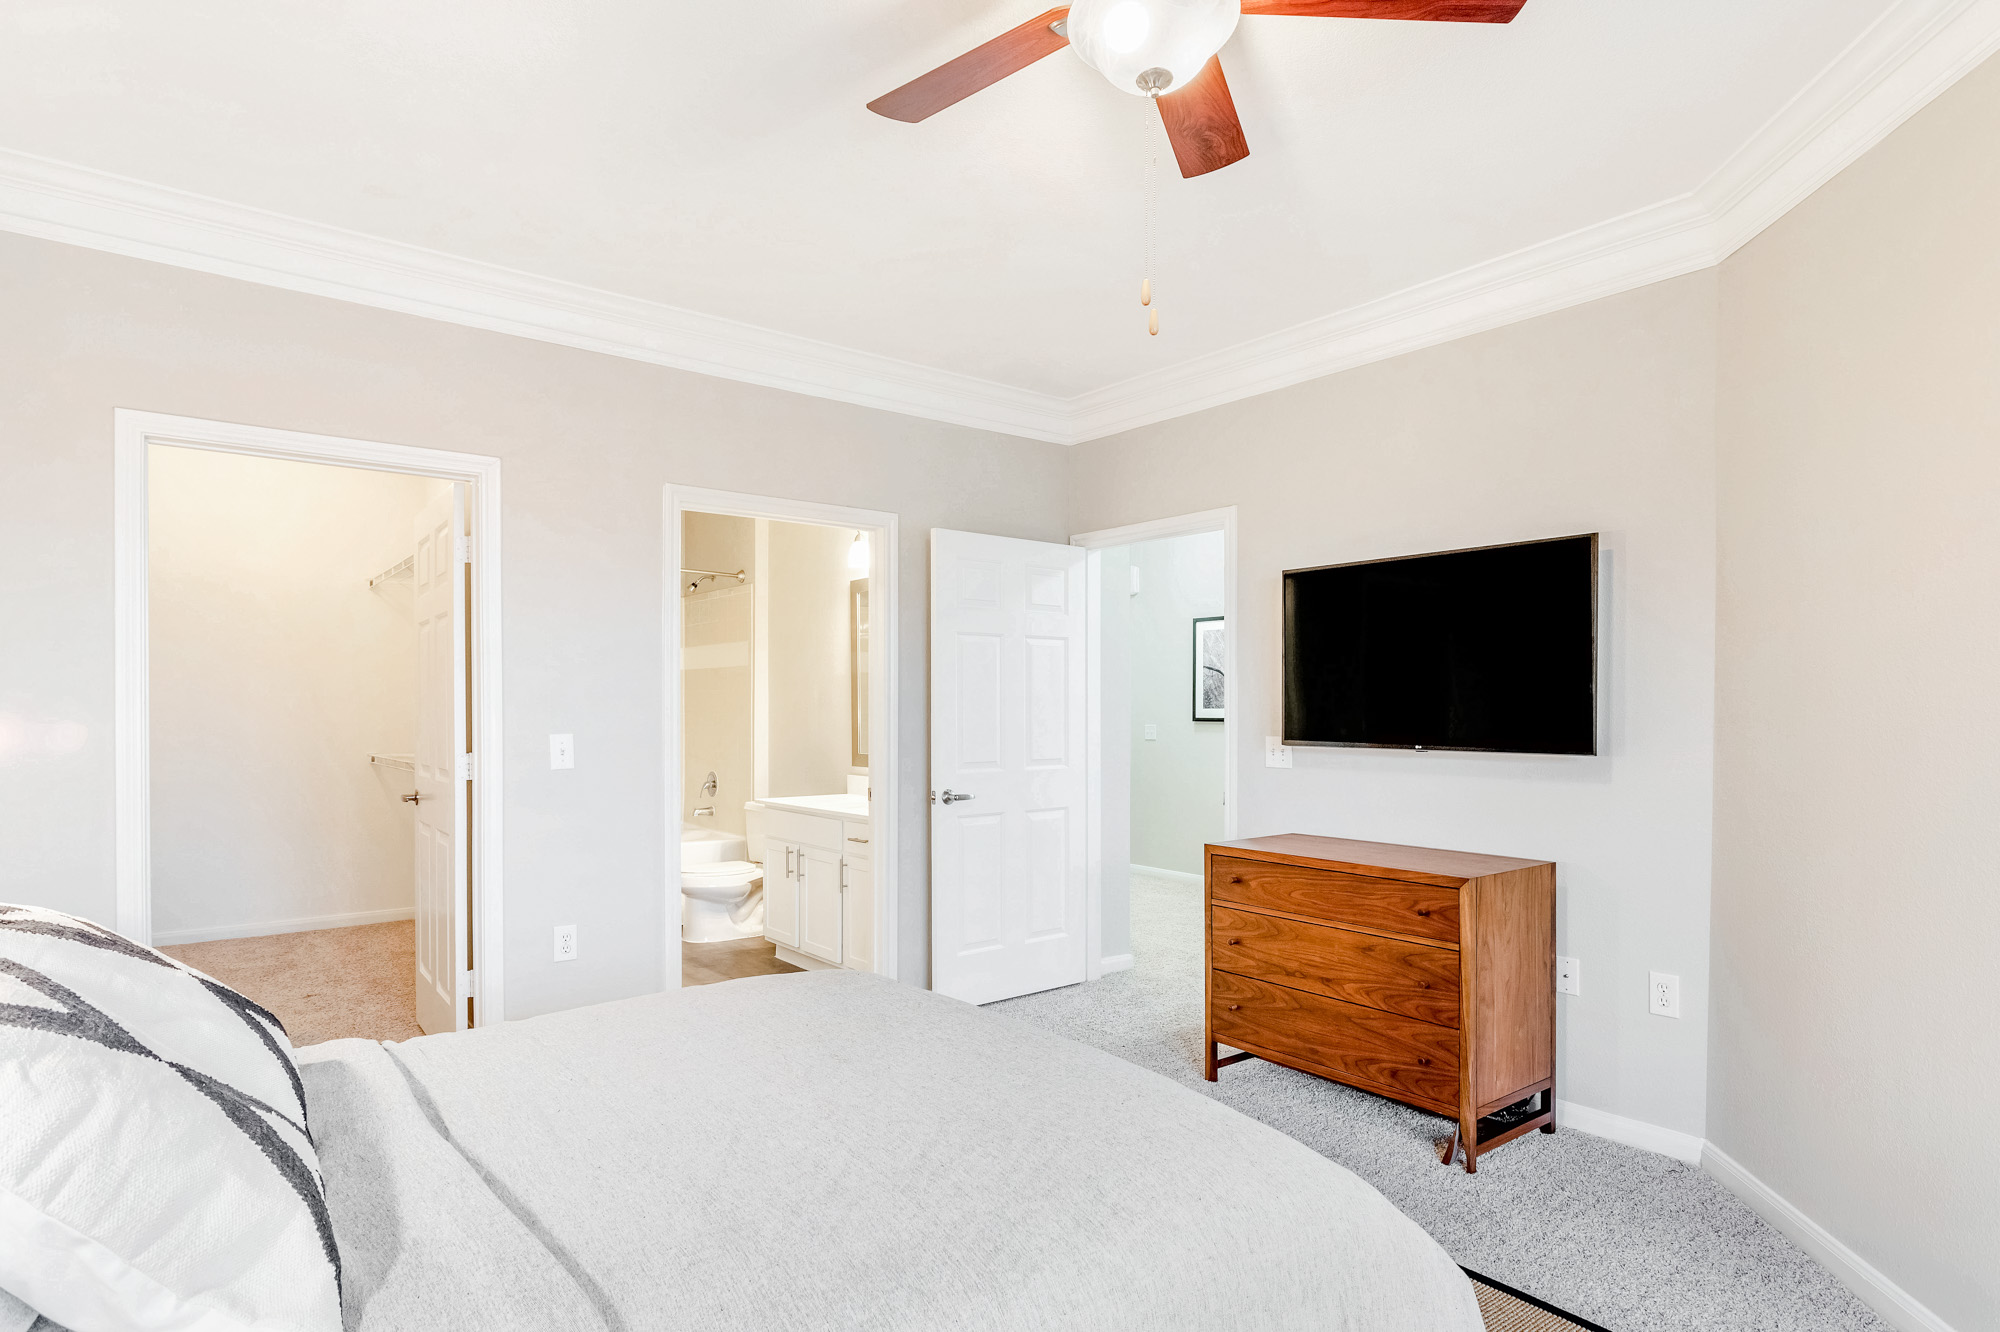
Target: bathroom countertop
x: 838, y: 806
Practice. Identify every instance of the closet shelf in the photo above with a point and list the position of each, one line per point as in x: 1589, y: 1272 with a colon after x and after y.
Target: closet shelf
x: 407, y: 762
x: 400, y: 569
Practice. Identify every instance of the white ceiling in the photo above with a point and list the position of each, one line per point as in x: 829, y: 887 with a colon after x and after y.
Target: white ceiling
x: 719, y: 158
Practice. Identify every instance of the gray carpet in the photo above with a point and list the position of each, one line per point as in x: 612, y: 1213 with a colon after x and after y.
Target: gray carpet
x: 1620, y: 1236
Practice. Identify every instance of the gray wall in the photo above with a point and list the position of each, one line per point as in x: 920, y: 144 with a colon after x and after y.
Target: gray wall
x: 1176, y: 777
x: 1854, y: 1049
x: 1600, y: 418
x: 587, y: 441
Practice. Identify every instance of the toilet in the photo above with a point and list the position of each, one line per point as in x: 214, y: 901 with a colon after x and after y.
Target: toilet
x: 722, y: 894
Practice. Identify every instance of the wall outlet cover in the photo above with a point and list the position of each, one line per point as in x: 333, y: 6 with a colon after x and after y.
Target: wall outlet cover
x: 565, y: 943
x: 1152, y: 731
x: 1276, y: 755
x: 562, y: 751
x: 1665, y: 995
x: 1569, y: 976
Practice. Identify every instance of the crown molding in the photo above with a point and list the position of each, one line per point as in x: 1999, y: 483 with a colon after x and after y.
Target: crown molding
x: 1912, y: 53
x: 80, y: 206
x: 1916, y: 50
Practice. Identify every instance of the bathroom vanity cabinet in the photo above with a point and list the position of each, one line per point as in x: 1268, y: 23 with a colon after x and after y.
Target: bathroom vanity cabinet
x: 819, y: 881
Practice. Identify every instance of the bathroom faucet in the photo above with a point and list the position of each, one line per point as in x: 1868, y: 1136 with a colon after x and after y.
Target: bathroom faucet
x: 700, y: 810
x: 708, y: 787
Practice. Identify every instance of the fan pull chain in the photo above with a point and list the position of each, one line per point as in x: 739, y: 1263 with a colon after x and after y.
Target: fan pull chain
x: 1152, y: 229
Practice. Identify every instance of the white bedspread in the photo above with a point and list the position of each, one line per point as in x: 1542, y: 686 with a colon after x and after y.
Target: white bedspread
x: 830, y: 1150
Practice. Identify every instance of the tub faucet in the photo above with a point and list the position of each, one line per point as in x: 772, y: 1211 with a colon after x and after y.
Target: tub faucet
x: 700, y: 810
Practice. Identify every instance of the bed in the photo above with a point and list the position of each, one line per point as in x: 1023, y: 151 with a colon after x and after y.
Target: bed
x: 831, y: 1150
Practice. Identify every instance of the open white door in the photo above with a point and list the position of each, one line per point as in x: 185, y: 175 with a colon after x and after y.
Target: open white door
x: 1007, y: 766
x: 439, y: 576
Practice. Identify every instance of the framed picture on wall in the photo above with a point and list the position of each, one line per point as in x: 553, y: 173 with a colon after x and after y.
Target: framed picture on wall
x: 1208, y: 639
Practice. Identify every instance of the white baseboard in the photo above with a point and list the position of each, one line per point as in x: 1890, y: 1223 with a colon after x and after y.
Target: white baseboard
x: 1181, y: 876
x: 1115, y: 962
x: 296, y: 925
x: 1897, y: 1306
x: 1632, y: 1132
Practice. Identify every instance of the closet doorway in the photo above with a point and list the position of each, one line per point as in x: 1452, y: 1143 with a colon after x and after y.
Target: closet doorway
x: 308, y: 748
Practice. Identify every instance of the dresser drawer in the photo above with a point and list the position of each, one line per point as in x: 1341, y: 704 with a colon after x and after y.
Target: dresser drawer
x: 1418, y: 909
x: 1410, y: 1060
x: 1412, y: 979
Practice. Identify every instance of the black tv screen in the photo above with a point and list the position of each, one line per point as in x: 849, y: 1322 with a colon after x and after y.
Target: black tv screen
x: 1491, y: 649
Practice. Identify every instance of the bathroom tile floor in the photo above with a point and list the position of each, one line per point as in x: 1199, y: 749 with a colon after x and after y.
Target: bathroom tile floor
x: 706, y: 963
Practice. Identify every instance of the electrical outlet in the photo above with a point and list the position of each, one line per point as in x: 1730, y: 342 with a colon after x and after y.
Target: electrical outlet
x: 1569, y: 976
x: 1276, y: 755
x: 562, y: 751
x: 1152, y: 731
x: 565, y: 943
x: 1666, y: 992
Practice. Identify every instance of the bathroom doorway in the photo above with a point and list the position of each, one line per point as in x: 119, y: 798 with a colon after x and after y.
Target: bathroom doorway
x: 780, y: 662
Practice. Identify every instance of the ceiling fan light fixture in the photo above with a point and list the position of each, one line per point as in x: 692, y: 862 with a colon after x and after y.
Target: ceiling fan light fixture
x: 1147, y: 47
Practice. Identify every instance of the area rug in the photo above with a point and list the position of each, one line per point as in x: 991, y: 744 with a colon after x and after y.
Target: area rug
x: 1508, y: 1310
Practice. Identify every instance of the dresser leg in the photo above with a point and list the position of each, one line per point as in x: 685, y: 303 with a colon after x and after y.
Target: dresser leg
x: 1549, y: 1104
x: 1468, y: 1138
x: 1209, y: 1072
x: 1450, y: 1153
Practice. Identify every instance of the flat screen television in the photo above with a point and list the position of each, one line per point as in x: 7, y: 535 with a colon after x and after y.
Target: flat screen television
x: 1487, y: 649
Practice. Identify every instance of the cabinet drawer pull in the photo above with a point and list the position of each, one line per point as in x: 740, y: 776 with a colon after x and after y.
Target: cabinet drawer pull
x: 1235, y: 941
x: 1234, y: 1007
x: 1423, y: 911
x: 862, y: 840
x: 1425, y: 1062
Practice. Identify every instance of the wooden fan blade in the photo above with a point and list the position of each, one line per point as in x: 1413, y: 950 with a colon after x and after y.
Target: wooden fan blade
x: 1201, y: 123
x: 1432, y: 11
x: 981, y: 67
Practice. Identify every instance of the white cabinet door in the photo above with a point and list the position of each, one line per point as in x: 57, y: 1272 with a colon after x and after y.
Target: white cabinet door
x: 1007, y: 766
x: 781, y: 892
x: 858, y: 911
x: 439, y: 581
x: 819, y: 904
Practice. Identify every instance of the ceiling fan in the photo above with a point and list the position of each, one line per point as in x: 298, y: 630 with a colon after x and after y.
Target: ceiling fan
x: 1163, y: 49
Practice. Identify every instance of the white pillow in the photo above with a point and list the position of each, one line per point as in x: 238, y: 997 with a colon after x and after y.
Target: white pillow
x: 156, y: 1171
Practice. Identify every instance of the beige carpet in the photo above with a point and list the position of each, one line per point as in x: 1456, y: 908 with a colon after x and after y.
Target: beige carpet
x: 323, y: 984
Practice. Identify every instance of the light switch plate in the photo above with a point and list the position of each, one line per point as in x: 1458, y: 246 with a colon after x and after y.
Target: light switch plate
x: 562, y: 751
x: 1152, y: 731
x: 1276, y: 754
x: 1569, y: 976
x: 565, y: 943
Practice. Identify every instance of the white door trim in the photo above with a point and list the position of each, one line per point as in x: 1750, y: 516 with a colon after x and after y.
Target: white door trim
x: 1187, y: 524
x: 884, y: 766
x: 133, y: 433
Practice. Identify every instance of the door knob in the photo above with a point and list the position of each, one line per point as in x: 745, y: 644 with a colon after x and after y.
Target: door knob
x: 951, y: 795
x: 412, y: 799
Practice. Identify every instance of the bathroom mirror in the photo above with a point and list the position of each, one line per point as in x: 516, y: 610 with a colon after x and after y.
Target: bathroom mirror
x: 857, y: 672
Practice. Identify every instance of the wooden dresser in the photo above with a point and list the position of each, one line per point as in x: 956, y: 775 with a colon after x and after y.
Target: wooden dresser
x: 1424, y: 976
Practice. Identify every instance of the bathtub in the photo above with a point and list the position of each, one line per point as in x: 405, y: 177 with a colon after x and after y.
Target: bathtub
x: 707, y: 846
